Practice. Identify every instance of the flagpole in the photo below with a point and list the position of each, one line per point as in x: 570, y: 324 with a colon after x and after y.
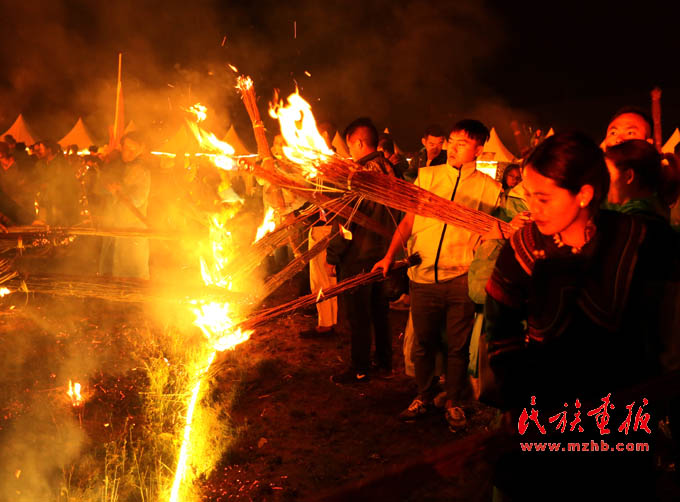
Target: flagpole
x: 117, y: 118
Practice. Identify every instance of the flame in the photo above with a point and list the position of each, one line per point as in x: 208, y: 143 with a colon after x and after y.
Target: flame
x: 233, y: 68
x: 222, y: 152
x: 217, y: 322
x: 243, y: 82
x: 304, y: 143
x: 74, y: 393
x: 4, y: 292
x: 268, y: 225
x: 199, y: 111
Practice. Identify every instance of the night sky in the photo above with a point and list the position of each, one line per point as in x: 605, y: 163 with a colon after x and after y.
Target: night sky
x: 405, y: 64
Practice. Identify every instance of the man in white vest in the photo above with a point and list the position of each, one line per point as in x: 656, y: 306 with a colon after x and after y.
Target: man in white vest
x: 439, y: 285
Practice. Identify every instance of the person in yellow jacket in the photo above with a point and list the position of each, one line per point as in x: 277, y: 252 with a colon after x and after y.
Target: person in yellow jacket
x: 439, y: 285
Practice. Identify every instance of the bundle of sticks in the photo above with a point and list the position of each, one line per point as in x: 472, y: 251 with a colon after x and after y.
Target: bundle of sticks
x: 118, y: 290
x: 35, y: 231
x: 264, y: 316
x: 404, y: 196
x: 347, y: 176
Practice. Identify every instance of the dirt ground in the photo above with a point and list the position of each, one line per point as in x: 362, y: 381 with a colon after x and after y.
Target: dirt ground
x: 304, y: 436
x: 299, y: 435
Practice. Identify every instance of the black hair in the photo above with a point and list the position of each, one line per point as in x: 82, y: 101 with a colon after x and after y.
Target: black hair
x: 506, y: 171
x: 434, y: 130
x: 647, y: 164
x: 636, y: 111
x: 571, y: 160
x: 473, y: 128
x: 386, y: 143
x: 365, y: 124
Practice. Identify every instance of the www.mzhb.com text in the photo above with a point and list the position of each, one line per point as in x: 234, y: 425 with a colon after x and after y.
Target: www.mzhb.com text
x: 592, y: 446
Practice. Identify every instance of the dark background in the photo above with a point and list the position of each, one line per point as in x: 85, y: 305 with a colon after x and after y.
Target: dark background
x: 405, y: 64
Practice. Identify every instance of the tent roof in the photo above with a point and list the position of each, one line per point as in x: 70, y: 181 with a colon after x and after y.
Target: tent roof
x: 340, y: 146
x: 669, y: 146
x: 21, y: 131
x: 79, y: 135
x: 183, y: 141
x: 235, y: 141
x: 130, y: 127
x: 494, y: 145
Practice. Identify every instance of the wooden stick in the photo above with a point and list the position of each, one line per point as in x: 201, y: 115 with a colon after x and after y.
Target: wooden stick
x: 267, y: 315
x: 307, y: 192
x: 119, y: 290
x: 28, y: 232
x: 404, y: 196
x: 295, y: 266
x: 656, y: 117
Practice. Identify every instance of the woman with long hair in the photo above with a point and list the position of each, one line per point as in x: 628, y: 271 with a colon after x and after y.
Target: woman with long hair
x: 576, y: 310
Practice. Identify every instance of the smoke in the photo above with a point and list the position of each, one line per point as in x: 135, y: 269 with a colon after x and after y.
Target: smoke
x: 406, y: 65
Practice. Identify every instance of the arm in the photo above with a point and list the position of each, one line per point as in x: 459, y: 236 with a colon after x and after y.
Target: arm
x: 399, y: 238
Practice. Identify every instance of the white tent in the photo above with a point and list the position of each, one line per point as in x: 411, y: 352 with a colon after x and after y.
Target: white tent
x: 340, y: 146
x: 21, y: 131
x: 495, y: 146
x: 79, y: 135
x: 183, y: 141
x: 235, y: 141
x: 669, y: 146
x: 130, y: 127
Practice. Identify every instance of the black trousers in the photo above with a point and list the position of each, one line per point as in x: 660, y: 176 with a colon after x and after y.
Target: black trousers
x: 366, y: 307
x: 431, y: 306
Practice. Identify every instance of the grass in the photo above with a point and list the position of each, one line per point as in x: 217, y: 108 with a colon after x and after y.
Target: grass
x: 133, y: 419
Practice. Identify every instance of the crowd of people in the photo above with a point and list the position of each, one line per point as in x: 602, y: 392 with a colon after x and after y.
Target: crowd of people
x: 580, y: 300
x: 43, y: 185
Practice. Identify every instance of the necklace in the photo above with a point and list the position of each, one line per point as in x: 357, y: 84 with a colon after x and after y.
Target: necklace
x: 588, y: 233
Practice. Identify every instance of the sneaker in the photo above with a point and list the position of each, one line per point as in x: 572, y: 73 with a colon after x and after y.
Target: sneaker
x: 417, y: 409
x: 317, y: 333
x: 350, y: 376
x: 455, y: 417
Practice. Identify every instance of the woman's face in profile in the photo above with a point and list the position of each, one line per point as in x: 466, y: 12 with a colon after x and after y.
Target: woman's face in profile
x: 553, y: 209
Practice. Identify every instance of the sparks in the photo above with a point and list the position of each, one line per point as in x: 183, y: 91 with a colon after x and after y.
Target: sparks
x: 233, y: 68
x: 74, y: 393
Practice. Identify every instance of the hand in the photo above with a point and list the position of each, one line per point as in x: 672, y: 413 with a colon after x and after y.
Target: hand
x: 520, y: 220
x: 330, y: 270
x: 383, y: 265
x: 494, y: 233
